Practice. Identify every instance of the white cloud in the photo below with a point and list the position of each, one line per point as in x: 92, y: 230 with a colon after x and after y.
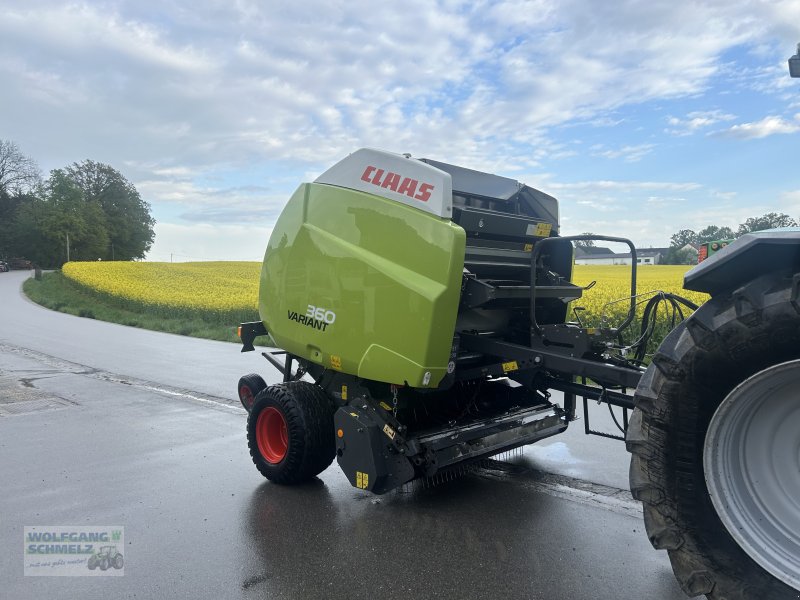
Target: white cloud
x: 600, y: 205
x: 309, y: 82
x: 631, y: 153
x: 76, y: 29
x: 214, y: 204
x: 696, y: 120
x: 623, y: 186
x: 647, y: 212
x: 724, y: 195
x: 643, y: 232
x: 664, y: 201
x: 218, y: 109
x: 767, y: 126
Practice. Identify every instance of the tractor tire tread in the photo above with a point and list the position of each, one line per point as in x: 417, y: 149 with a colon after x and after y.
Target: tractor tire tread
x: 742, y: 331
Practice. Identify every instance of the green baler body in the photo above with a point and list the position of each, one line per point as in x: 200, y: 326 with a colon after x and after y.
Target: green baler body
x: 363, y: 285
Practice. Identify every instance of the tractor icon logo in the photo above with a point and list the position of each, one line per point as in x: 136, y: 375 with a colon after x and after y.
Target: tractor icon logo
x: 105, y: 557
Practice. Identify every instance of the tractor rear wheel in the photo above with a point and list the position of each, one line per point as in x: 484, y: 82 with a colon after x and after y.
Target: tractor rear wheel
x: 249, y: 387
x: 714, y: 441
x: 290, y: 432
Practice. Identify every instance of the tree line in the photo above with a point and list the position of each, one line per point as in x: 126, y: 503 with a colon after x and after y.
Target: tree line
x: 679, y: 254
x: 85, y: 211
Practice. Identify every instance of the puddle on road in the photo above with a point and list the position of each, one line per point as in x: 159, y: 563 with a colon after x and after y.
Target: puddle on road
x: 556, y: 451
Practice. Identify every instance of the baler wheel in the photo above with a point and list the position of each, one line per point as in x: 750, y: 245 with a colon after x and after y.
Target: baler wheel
x: 714, y: 441
x: 249, y: 387
x: 290, y: 432
x: 272, y: 436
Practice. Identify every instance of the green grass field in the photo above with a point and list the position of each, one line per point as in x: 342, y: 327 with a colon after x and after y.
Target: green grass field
x: 56, y: 292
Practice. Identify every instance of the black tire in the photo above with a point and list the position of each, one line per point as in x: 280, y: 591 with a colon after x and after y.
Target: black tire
x: 92, y: 563
x: 728, y: 339
x: 104, y: 564
x: 308, y: 416
x: 249, y: 387
x: 119, y: 562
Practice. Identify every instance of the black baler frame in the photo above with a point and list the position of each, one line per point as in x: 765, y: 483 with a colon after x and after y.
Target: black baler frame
x: 557, y: 368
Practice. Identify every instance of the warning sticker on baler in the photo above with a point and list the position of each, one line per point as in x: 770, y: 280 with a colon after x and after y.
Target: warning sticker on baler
x: 539, y: 229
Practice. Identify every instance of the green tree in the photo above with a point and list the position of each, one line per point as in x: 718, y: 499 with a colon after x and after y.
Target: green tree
x: 32, y: 238
x: 57, y: 224
x: 8, y: 210
x: 768, y: 221
x: 88, y: 205
x: 72, y: 216
x: 679, y: 256
x: 683, y: 237
x: 712, y: 233
x: 129, y: 224
x: 19, y: 175
x: 585, y: 243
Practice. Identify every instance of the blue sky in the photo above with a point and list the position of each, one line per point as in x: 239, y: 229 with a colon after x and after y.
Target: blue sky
x: 643, y: 118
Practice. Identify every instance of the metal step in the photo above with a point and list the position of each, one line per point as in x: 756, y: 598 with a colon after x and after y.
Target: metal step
x: 485, y: 292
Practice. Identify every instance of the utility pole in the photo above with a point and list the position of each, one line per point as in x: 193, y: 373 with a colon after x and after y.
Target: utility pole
x: 794, y: 64
x: 67, y: 246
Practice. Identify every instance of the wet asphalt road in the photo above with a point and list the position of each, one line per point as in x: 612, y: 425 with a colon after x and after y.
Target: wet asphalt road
x: 101, y: 424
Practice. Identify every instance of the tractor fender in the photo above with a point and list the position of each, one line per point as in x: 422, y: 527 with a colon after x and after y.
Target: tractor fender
x: 750, y: 256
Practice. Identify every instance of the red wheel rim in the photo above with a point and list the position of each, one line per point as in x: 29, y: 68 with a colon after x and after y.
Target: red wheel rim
x: 246, y: 396
x: 271, y: 435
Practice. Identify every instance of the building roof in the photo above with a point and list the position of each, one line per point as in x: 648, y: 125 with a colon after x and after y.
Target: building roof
x: 651, y: 251
x: 581, y: 251
x: 640, y: 253
x: 604, y: 256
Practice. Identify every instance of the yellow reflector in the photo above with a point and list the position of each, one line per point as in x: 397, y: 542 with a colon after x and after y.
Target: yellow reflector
x: 340, y: 433
x: 239, y: 332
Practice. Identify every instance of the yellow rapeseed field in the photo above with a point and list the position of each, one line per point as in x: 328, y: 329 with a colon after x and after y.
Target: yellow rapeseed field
x: 220, y: 292
x: 613, y: 283
x: 227, y: 292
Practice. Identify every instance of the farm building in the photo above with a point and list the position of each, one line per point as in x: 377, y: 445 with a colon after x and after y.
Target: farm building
x: 604, y: 256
